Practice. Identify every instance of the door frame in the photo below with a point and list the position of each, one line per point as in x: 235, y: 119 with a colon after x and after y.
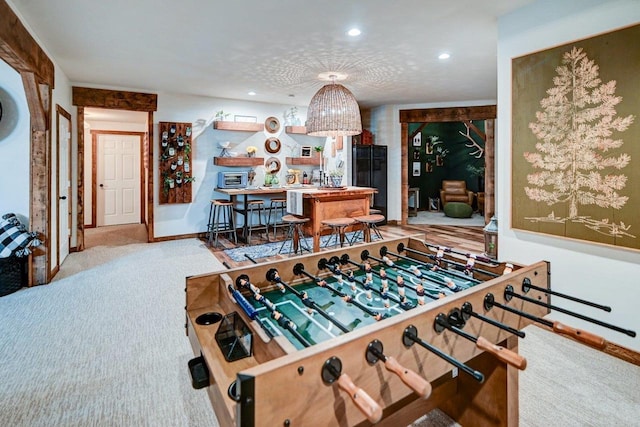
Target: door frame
x: 82, y: 97
x: 62, y: 112
x: 94, y: 173
x: 454, y: 114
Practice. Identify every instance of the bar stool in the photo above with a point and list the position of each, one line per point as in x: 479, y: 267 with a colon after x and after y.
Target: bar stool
x: 294, y: 231
x: 369, y: 223
x: 220, y: 221
x: 278, y: 207
x: 253, y: 207
x: 374, y: 211
x: 338, y: 226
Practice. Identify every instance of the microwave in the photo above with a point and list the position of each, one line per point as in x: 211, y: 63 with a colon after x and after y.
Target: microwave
x: 232, y: 179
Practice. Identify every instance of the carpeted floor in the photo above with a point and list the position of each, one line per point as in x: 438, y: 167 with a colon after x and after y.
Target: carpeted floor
x: 104, y: 345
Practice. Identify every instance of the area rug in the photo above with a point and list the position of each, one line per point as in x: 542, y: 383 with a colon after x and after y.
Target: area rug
x: 439, y: 218
x: 271, y: 249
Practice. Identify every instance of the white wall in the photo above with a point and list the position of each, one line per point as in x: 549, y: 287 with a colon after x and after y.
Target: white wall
x: 15, y: 142
x: 606, y: 275
x: 179, y: 219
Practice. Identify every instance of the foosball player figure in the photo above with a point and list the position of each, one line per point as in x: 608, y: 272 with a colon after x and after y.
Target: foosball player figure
x: 384, y: 289
x: 282, y: 321
x: 382, y: 273
x: 387, y: 261
x: 439, y: 256
x: 367, y: 288
x: 245, y: 283
x: 451, y: 288
x: 267, y: 303
x: 415, y: 270
x: 508, y: 268
x: 468, y: 269
x: 307, y: 302
x: 420, y: 294
x: 276, y: 278
x: 401, y: 290
x: 321, y: 282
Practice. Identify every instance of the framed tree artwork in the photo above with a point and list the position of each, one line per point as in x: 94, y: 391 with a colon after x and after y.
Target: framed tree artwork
x: 575, y: 132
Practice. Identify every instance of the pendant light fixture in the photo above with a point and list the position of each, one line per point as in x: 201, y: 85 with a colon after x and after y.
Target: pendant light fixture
x: 333, y: 111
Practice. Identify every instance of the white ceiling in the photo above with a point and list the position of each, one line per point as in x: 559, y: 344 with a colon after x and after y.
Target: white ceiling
x: 276, y: 48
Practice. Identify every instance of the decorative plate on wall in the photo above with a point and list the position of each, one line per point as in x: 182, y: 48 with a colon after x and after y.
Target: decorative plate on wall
x: 272, y: 145
x: 272, y: 124
x: 272, y: 164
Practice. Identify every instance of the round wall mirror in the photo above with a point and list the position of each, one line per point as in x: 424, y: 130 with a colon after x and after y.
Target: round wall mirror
x: 272, y: 164
x: 272, y: 125
x: 272, y: 145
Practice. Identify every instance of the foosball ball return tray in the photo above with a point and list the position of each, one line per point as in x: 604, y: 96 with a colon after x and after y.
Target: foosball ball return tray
x: 380, y: 334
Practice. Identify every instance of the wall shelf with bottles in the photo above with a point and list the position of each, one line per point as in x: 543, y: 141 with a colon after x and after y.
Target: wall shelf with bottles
x: 176, y: 155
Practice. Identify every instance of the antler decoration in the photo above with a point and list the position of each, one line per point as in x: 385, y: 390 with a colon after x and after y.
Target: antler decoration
x: 477, y: 151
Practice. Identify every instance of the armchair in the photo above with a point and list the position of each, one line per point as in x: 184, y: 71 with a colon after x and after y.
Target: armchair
x: 455, y: 191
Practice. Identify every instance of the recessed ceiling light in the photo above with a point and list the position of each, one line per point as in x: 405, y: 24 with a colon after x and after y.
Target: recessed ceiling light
x: 252, y: 93
x: 354, y: 32
x: 444, y: 56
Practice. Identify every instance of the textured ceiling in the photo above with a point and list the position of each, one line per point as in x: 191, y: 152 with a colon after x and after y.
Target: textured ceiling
x: 275, y: 48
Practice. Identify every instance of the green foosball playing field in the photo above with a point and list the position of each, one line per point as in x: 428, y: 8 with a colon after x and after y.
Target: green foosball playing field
x: 323, y: 308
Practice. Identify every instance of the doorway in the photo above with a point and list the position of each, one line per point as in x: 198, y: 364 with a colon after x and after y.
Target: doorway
x: 117, y: 185
x: 63, y: 185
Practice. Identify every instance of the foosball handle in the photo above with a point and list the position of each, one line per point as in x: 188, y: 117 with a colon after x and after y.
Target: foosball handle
x: 504, y: 354
x: 580, y: 335
x: 414, y: 381
x: 363, y: 401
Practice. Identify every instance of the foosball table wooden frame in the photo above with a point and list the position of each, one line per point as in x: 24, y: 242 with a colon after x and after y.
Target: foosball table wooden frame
x: 282, y: 386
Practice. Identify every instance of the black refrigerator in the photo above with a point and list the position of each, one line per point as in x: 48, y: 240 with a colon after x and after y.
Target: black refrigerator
x: 369, y: 169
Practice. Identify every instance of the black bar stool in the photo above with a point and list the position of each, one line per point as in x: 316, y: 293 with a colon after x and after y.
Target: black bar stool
x: 295, y: 234
x: 277, y: 209
x: 220, y: 221
x: 255, y: 224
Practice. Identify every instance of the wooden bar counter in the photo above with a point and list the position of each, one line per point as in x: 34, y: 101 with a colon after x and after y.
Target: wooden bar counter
x: 317, y: 204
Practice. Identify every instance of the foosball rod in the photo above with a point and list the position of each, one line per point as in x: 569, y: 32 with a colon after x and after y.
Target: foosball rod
x: 505, y: 355
x: 508, y: 293
x: 250, y: 259
x: 527, y: 285
x: 410, y: 336
x: 248, y: 309
x: 480, y: 258
x: 365, y: 255
x: 344, y: 259
x: 460, y: 266
x: 415, y: 382
x: 332, y: 266
x: 467, y: 312
x: 298, y: 269
x: 578, y: 334
x: 416, y: 261
x: 283, y: 321
x: 273, y: 276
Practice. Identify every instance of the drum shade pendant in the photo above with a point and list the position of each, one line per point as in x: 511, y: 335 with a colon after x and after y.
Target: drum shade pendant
x: 333, y: 111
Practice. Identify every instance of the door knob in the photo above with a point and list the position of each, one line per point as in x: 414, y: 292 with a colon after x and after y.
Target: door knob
x: 63, y: 197
x: 101, y: 185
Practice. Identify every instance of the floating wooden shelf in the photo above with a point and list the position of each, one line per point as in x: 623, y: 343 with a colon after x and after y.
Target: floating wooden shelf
x: 313, y: 161
x: 296, y: 129
x: 239, y: 126
x: 238, y: 161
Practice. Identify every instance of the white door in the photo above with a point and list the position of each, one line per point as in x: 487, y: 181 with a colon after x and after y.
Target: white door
x: 64, y: 188
x: 118, y: 179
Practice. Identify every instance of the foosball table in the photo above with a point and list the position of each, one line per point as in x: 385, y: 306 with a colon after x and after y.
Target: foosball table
x: 380, y: 334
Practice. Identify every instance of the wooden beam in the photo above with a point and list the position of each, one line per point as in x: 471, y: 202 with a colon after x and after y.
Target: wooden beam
x: 114, y: 99
x: 80, y: 181
x: 20, y: 50
x: 455, y: 114
x: 39, y: 120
